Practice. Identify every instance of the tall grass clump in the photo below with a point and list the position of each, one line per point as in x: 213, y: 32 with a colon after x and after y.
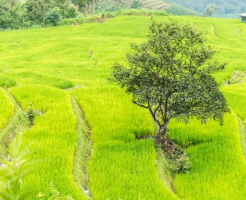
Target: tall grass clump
x: 6, y: 81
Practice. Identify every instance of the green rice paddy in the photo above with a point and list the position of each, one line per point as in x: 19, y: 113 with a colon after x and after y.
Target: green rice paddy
x: 6, y: 109
x: 49, y: 66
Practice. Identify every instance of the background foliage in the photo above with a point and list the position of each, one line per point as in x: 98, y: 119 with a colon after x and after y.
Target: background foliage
x: 230, y: 8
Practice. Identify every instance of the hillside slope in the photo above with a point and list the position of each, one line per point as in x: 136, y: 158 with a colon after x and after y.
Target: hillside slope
x: 171, y: 8
x: 46, y: 62
x: 176, y: 9
x: 224, y: 8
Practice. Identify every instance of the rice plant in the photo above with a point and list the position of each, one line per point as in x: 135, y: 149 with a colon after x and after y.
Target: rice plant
x: 6, y: 109
x: 52, y: 139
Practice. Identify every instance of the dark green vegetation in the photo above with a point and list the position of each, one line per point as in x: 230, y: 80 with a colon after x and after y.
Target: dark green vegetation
x: 15, y: 14
x: 120, y: 167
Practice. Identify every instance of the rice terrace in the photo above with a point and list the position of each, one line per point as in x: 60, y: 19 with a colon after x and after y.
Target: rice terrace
x: 68, y: 132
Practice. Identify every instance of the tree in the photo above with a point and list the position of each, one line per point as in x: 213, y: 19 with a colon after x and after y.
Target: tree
x: 37, y: 9
x: 63, y: 5
x: 171, y: 76
x: 11, y: 14
x: 210, y: 9
x: 4, y: 14
x: 53, y: 16
x: 80, y: 3
x: 85, y: 5
x: 17, y: 13
x: 71, y: 12
x: 136, y: 4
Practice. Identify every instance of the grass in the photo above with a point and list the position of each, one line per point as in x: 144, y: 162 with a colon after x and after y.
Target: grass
x: 83, y: 148
x: 16, y: 125
x: 163, y: 169
x: 35, y: 78
x: 117, y: 158
x: 242, y: 132
x: 51, y: 139
x: 128, y: 124
x: 218, y: 166
x: 44, y: 61
x: 6, y: 81
x: 6, y: 109
x: 235, y: 95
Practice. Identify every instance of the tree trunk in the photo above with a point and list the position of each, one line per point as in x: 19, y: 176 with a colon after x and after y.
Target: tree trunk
x: 162, y: 135
x: 43, y: 16
x: 93, y: 7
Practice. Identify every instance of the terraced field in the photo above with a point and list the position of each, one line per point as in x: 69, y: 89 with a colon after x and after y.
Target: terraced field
x: 6, y: 109
x: 153, y: 4
x: 170, y: 8
x: 53, y: 67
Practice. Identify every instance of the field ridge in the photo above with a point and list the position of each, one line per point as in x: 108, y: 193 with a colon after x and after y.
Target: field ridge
x: 242, y: 133
x: 17, y: 124
x: 83, y: 149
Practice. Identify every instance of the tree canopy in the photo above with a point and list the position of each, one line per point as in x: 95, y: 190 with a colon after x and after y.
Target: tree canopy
x: 210, y: 9
x: 171, y: 75
x: 16, y: 13
x: 11, y: 14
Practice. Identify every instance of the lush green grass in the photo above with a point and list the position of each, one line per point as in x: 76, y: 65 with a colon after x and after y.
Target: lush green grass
x: 83, y: 148
x: 120, y: 166
x: 52, y: 139
x: 235, y: 95
x: 16, y: 125
x: 34, y: 78
x: 130, y: 120
x: 6, y: 109
x: 218, y: 166
x: 119, y: 162
x: 6, y: 81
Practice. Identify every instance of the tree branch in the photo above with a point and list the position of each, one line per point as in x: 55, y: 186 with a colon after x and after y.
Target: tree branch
x: 139, y: 104
x: 156, y: 120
